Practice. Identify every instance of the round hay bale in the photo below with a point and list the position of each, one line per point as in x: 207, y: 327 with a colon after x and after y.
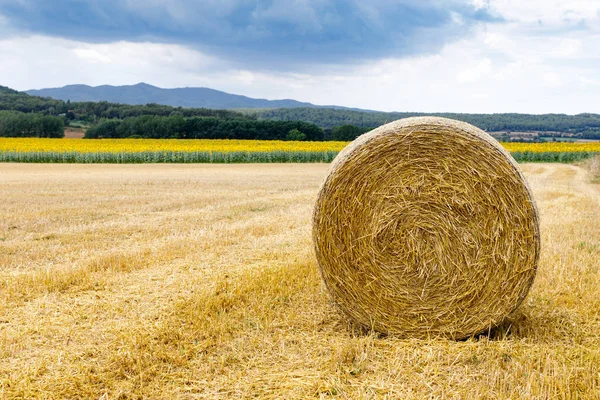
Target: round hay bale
x: 426, y: 227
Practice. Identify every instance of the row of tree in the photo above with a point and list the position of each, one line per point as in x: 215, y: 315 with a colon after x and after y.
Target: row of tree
x: 18, y: 124
x: 585, y: 124
x: 345, y: 133
x: 156, y: 127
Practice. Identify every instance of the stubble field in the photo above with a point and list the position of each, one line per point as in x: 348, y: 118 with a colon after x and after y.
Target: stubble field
x: 199, y: 281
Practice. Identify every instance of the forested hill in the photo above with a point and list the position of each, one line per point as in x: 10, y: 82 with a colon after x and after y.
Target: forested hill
x: 25, y: 115
x: 22, y: 115
x: 142, y: 93
x: 90, y: 112
x: 328, y: 118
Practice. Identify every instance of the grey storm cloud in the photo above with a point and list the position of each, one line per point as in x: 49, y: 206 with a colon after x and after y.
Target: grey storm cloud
x: 258, y: 33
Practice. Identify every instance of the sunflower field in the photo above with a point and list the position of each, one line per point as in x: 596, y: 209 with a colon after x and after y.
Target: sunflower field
x: 37, y: 150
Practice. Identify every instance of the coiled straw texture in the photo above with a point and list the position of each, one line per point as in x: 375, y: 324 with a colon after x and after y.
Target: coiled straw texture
x: 426, y: 227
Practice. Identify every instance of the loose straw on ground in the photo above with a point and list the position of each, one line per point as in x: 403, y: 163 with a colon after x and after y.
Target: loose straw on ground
x: 426, y: 227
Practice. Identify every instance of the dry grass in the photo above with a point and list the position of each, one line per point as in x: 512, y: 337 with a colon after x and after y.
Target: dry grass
x: 425, y: 227
x: 593, y: 165
x: 199, y: 281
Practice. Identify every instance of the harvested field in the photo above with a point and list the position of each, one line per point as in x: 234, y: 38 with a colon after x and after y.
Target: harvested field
x: 199, y: 281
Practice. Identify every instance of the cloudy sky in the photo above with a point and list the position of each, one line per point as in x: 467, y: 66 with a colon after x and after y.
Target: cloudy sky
x: 534, y: 56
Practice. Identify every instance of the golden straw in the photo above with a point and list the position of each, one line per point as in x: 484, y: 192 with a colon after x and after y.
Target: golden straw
x: 426, y: 227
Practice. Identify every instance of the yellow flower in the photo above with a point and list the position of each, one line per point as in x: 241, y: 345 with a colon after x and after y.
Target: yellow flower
x: 29, y: 145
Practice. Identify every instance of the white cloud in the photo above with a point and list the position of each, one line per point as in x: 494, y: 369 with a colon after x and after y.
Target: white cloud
x: 567, y: 48
x: 551, y: 78
x: 475, y: 73
x: 91, y: 55
x: 480, y: 3
x: 457, y: 18
x: 588, y: 81
x: 39, y: 61
x: 547, y: 11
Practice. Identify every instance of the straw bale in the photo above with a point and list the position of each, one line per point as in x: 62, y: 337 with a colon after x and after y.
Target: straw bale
x: 426, y: 227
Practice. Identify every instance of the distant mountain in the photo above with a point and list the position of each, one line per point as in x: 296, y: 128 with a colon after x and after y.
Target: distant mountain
x: 143, y: 93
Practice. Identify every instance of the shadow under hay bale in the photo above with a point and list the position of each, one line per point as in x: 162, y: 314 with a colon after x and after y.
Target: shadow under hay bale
x: 426, y: 227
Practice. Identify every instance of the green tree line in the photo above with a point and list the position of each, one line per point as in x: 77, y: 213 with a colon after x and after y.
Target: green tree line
x: 586, y: 125
x: 157, y: 127
x: 18, y: 124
